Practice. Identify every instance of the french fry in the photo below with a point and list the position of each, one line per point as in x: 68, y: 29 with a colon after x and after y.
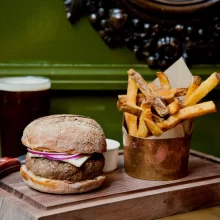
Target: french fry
x: 146, y: 99
x: 122, y: 98
x: 153, y: 86
x: 166, y: 95
x: 187, y: 113
x: 140, y: 105
x: 147, y: 105
x: 157, y: 118
x: 147, y: 110
x: 147, y: 102
x: 195, y: 82
x: 141, y: 83
x: 131, y: 120
x: 136, y: 110
x: 158, y: 104
x: 210, y: 83
x: 174, y: 106
x: 153, y: 127
x: 131, y: 109
x: 140, y: 99
x: 164, y: 81
x: 132, y: 90
x: 171, y: 93
x: 160, y: 107
x: 142, y: 128
x: 180, y: 91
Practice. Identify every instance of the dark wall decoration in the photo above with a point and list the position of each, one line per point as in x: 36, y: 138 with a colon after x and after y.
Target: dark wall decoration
x: 157, y: 31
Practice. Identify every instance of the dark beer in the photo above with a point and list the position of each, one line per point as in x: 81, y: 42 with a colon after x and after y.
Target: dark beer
x: 22, y: 99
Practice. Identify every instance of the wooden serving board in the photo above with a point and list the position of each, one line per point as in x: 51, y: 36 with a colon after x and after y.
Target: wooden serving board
x: 121, y: 196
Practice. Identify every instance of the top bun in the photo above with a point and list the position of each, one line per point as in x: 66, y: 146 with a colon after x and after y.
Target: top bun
x: 65, y: 133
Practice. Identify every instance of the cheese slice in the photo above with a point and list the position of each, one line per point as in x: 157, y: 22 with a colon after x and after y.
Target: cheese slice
x: 77, y: 162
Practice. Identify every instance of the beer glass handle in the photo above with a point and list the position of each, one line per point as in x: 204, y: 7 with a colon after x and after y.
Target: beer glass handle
x: 9, y: 165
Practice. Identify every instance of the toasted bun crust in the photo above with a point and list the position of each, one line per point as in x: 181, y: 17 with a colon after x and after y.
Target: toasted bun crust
x: 57, y: 186
x: 65, y: 133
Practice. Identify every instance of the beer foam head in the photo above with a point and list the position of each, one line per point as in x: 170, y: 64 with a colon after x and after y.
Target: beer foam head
x: 24, y: 84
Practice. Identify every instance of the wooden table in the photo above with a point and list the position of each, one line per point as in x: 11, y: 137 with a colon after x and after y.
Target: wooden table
x: 204, y: 214
x: 121, y: 197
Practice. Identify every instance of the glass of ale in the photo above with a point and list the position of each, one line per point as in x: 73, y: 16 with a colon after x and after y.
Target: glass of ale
x: 22, y: 99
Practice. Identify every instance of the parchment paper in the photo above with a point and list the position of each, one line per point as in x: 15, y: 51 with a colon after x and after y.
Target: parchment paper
x: 179, y: 76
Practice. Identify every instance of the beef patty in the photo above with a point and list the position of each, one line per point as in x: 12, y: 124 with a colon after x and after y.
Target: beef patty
x: 58, y: 170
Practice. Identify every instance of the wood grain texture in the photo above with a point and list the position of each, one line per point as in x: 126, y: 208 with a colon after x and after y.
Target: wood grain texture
x: 12, y: 208
x: 122, y: 197
x: 210, y: 213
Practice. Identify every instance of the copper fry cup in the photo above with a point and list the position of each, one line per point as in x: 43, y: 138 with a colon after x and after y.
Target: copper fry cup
x: 156, y: 159
x: 165, y: 157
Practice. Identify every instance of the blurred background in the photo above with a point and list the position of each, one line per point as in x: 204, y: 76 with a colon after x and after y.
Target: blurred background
x: 87, y: 74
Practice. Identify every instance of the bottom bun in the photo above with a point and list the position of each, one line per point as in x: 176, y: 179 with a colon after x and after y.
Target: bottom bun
x: 58, y: 186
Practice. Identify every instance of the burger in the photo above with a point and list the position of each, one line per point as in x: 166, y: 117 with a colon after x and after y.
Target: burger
x: 64, y: 154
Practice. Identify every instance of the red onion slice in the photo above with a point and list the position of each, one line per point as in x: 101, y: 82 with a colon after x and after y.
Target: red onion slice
x: 59, y: 157
x: 55, y: 156
x: 45, y: 153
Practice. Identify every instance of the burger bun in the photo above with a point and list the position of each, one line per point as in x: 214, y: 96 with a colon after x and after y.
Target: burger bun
x: 57, y: 186
x: 65, y: 133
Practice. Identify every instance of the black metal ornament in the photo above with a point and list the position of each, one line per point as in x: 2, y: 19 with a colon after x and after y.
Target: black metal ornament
x: 157, y: 31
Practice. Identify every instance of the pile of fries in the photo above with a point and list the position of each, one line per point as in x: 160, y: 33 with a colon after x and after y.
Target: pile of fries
x: 151, y: 110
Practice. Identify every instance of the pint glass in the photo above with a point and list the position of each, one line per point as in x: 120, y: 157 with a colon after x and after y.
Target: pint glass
x: 22, y: 99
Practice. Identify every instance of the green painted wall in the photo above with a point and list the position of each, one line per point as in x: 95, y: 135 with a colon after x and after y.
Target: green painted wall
x: 38, y: 32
